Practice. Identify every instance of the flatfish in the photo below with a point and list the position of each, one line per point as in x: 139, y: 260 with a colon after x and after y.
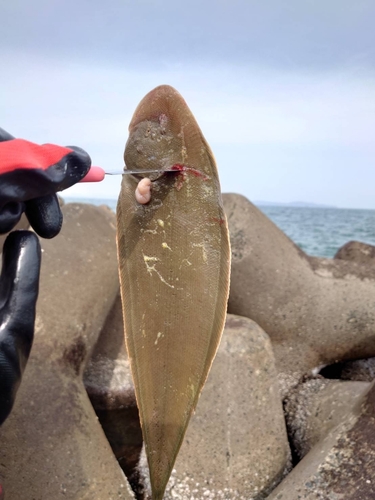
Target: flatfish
x: 174, y: 264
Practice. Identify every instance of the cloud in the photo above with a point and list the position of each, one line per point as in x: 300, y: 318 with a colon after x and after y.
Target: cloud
x: 289, y: 34
x: 283, y: 91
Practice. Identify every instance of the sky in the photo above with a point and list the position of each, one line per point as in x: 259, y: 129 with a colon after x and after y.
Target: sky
x: 283, y: 90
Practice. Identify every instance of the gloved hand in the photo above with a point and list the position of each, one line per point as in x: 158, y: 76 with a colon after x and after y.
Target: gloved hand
x: 30, y: 175
x: 19, y: 286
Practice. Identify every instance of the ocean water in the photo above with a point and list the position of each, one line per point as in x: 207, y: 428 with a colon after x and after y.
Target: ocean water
x: 318, y: 231
x: 322, y: 231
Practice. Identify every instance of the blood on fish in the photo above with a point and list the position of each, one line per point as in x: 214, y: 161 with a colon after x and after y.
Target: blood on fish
x: 220, y: 221
x: 178, y: 166
x: 184, y: 169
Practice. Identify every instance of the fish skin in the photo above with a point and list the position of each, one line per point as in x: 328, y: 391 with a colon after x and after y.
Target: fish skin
x: 174, y: 265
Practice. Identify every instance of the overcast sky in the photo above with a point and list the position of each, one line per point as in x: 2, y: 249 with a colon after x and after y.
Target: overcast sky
x: 283, y: 90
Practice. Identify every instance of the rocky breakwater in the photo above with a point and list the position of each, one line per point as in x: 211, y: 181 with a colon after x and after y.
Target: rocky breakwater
x: 341, y: 465
x: 316, y: 314
x: 52, y: 445
x: 356, y: 251
x: 302, y: 311
x: 320, y: 315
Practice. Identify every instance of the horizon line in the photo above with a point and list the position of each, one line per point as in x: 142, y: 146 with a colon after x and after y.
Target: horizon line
x: 258, y: 203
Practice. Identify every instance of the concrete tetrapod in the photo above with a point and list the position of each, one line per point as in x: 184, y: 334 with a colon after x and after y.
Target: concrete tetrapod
x: 110, y: 388
x: 341, y: 466
x: 174, y: 261
x: 52, y: 445
x: 356, y: 251
x: 316, y: 406
x: 313, y: 317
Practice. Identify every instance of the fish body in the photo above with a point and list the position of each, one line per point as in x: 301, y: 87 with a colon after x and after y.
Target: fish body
x: 174, y: 263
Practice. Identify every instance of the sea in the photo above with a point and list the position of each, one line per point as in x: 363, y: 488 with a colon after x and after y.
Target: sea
x: 317, y: 231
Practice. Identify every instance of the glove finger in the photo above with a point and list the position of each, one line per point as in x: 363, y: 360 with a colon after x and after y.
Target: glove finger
x: 5, y: 136
x: 78, y: 164
x: 19, y: 282
x: 19, y: 285
x: 10, y: 214
x: 66, y: 172
x: 44, y: 215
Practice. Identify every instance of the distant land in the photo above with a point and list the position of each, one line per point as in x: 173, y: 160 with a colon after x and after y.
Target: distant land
x: 301, y: 204
x: 112, y: 202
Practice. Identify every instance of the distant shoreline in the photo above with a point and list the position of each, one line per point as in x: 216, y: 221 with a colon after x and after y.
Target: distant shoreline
x: 259, y: 203
x: 293, y: 204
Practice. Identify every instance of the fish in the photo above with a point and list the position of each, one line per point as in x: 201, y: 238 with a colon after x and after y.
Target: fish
x: 174, y: 267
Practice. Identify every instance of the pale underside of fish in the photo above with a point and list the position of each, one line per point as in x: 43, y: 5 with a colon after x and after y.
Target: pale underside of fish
x: 174, y: 264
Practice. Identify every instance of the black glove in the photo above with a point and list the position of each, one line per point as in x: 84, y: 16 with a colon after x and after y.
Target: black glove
x: 19, y: 285
x: 30, y: 175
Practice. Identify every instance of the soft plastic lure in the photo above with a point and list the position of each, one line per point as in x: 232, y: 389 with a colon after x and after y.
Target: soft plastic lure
x: 174, y: 262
